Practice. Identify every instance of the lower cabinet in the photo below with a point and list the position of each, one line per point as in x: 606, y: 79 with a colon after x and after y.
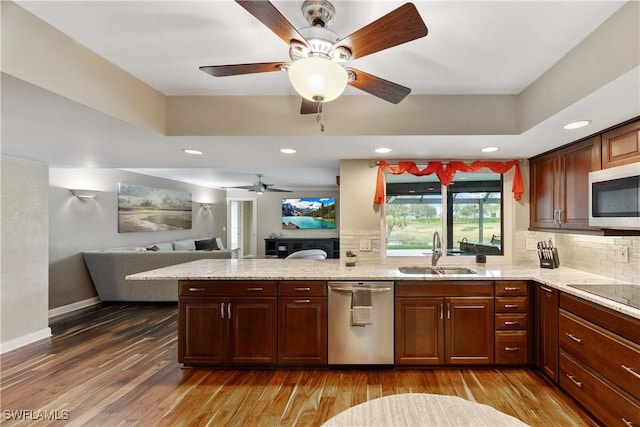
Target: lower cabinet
x: 227, y: 323
x: 513, y: 335
x: 547, y: 353
x: 600, y: 360
x: 302, y: 323
x: 444, y: 323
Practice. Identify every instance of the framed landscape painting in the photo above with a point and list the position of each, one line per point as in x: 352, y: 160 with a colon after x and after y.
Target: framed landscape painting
x: 143, y: 208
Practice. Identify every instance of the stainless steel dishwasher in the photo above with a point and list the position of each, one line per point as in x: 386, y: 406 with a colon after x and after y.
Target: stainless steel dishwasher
x: 371, y: 344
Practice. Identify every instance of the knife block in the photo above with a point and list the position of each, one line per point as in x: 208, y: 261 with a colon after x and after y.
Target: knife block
x: 550, y: 263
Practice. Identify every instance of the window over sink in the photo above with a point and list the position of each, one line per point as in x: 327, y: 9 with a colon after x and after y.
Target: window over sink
x: 468, y: 214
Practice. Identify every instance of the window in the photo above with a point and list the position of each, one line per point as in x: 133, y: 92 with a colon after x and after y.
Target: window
x: 467, y: 214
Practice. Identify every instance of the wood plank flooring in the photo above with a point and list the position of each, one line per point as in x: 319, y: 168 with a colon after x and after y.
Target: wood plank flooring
x: 117, y: 366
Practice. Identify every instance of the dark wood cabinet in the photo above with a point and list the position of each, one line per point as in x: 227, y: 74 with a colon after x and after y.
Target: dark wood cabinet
x: 281, y: 247
x: 559, y: 186
x: 547, y: 331
x: 302, y: 323
x: 512, y: 321
x: 599, y: 360
x: 621, y: 146
x: 227, y: 323
x: 444, y: 323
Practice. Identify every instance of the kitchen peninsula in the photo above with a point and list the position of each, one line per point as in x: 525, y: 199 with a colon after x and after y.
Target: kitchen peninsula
x: 259, y: 312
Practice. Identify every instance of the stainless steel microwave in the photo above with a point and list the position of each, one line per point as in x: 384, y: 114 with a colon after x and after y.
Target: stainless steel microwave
x: 614, y: 197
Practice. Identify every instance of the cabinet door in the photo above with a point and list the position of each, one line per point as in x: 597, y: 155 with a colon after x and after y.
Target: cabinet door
x: 469, y: 331
x: 252, y: 330
x: 302, y: 330
x: 203, y: 333
x: 621, y: 146
x: 576, y: 163
x: 545, y: 191
x: 547, y: 327
x: 419, y: 333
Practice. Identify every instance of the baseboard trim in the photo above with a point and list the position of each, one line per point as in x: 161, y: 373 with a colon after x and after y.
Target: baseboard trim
x: 73, y: 307
x: 24, y: 340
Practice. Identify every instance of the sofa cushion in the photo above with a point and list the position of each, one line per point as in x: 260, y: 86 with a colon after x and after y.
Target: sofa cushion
x: 184, y: 245
x: 164, y: 246
x: 206, y: 245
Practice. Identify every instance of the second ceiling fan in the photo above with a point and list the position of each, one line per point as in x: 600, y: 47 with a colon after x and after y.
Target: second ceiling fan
x: 318, y: 55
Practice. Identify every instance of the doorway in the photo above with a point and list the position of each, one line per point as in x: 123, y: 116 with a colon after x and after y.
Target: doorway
x: 242, y: 226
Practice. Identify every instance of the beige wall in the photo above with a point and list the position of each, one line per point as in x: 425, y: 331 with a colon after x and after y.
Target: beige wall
x: 77, y: 226
x: 24, y: 257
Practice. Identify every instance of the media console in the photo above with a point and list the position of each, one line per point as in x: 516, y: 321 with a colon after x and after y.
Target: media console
x: 282, y: 247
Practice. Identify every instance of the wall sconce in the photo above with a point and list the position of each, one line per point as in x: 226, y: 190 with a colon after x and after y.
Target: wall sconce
x: 84, y: 194
x: 206, y: 206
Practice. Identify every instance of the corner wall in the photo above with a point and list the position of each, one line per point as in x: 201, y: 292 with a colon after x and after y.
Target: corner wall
x: 77, y: 226
x: 24, y: 258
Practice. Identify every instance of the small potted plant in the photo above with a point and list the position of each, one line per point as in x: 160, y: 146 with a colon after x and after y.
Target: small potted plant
x: 351, y: 259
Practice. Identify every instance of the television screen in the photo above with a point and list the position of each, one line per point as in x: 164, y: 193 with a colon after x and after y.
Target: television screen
x: 314, y: 212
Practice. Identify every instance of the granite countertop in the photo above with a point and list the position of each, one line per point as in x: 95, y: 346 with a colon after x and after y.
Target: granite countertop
x: 334, y: 269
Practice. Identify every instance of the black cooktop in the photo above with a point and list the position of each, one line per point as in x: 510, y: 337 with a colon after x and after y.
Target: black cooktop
x: 624, y: 294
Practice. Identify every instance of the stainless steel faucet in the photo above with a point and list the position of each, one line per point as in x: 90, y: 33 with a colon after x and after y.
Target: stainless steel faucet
x: 436, y: 249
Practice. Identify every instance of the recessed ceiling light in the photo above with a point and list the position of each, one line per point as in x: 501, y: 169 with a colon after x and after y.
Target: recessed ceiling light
x: 287, y: 150
x: 577, y: 124
x: 489, y: 149
x: 382, y: 150
x: 190, y: 151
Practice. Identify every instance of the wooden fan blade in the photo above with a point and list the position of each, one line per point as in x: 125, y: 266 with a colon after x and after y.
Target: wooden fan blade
x: 309, y: 107
x: 399, y: 26
x: 267, y: 13
x: 238, y: 69
x: 378, y: 86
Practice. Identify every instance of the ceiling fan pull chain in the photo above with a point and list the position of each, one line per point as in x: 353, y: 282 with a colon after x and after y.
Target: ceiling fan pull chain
x: 319, y: 115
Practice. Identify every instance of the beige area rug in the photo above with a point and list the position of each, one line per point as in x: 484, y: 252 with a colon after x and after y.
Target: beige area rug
x: 421, y: 409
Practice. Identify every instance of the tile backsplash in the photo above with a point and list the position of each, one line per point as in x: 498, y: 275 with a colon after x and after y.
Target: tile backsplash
x: 592, y: 254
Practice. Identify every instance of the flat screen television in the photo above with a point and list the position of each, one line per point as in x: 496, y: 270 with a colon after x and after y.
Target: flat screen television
x: 309, y: 213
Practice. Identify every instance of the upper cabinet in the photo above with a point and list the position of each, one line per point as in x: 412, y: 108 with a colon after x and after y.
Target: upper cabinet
x: 621, y: 146
x: 559, y: 186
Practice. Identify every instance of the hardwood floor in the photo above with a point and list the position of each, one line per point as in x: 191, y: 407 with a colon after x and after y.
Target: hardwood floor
x: 117, y: 365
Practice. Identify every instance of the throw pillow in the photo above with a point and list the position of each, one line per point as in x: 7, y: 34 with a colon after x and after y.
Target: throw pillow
x: 184, y: 245
x: 206, y: 245
x: 153, y: 248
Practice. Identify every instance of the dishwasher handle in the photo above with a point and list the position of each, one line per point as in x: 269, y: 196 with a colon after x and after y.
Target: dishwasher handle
x: 373, y: 290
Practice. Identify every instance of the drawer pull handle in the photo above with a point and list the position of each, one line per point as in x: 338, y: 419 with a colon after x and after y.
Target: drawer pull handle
x: 229, y: 310
x: 222, y: 310
x: 546, y: 289
x: 302, y: 301
x: 197, y: 289
x: 631, y: 371
x: 303, y: 289
x: 512, y: 349
x: 573, y: 380
x: 511, y: 289
x: 576, y: 339
x: 511, y: 305
x: 627, y: 422
x: 511, y: 322
x: 255, y: 289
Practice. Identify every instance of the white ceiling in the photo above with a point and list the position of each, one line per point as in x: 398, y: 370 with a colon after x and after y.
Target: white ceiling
x: 473, y: 47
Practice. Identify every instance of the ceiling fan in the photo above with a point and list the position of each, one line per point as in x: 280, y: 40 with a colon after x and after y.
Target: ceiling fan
x: 260, y: 187
x: 318, y: 55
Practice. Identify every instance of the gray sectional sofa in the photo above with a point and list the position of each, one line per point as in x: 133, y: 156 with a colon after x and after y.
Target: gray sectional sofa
x: 109, y: 267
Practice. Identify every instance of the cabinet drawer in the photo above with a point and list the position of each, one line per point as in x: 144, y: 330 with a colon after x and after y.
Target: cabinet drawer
x: 511, y: 347
x: 511, y: 288
x: 514, y: 304
x: 436, y: 288
x: 228, y: 288
x: 614, y: 357
x: 597, y: 395
x: 302, y: 288
x: 511, y: 320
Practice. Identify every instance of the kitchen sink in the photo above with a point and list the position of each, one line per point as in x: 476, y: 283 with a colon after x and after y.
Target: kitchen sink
x: 440, y: 271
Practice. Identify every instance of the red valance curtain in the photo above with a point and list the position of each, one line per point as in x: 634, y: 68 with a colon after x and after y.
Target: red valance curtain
x: 446, y: 172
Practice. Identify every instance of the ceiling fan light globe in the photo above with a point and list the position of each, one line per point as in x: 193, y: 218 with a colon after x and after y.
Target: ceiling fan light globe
x: 318, y: 78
